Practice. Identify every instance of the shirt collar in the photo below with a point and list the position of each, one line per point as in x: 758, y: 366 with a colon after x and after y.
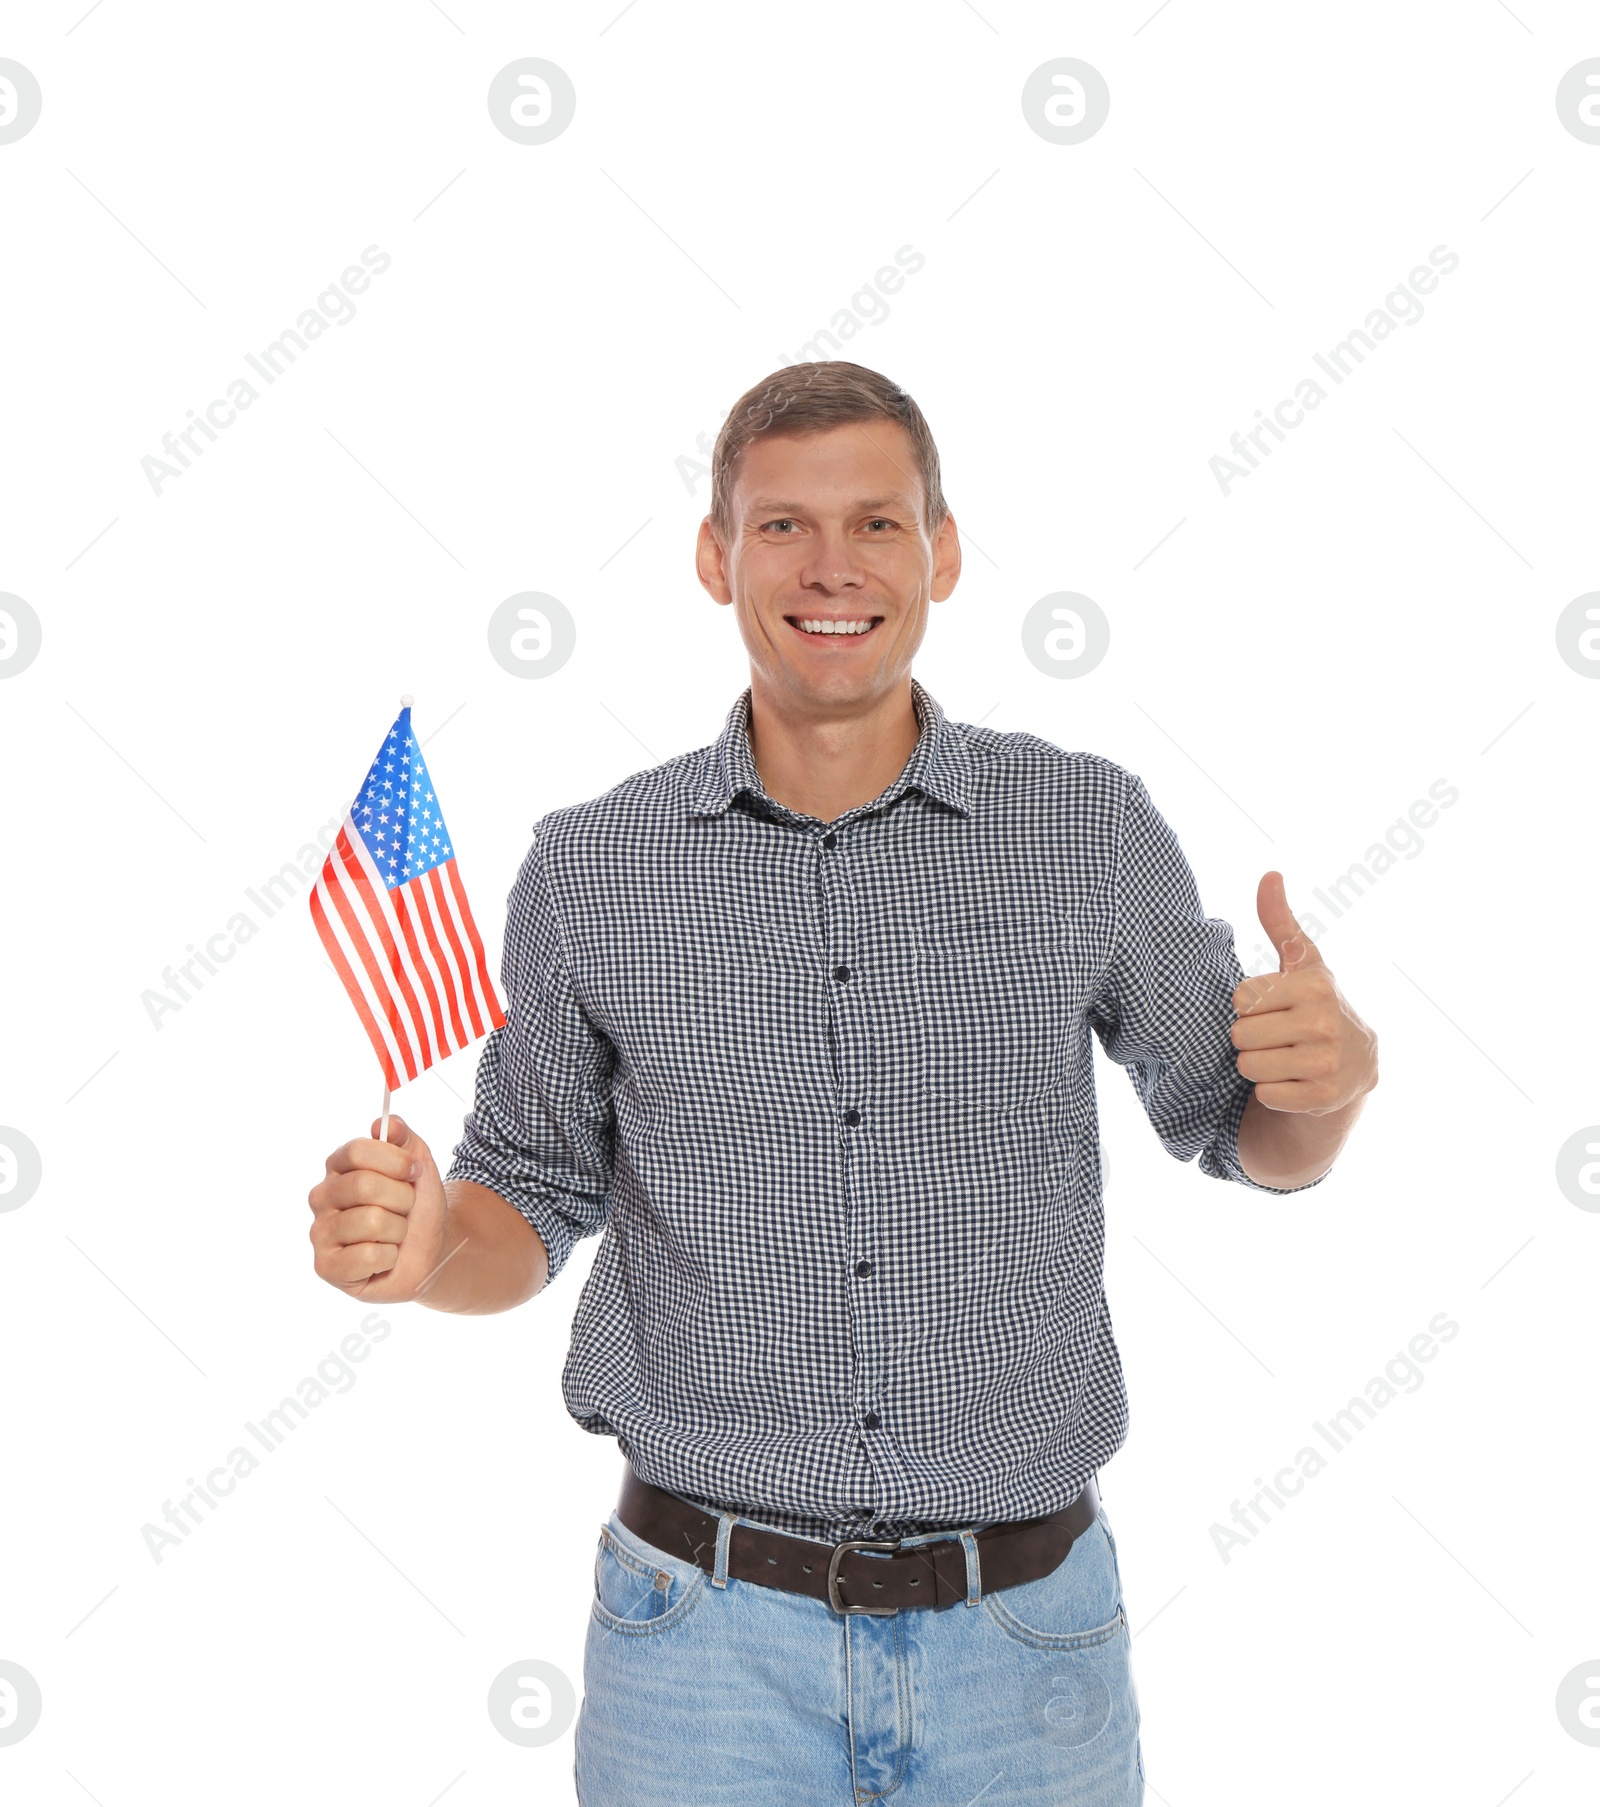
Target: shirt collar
x: 940, y: 765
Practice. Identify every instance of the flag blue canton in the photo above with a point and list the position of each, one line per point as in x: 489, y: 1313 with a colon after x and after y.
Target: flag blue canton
x: 397, y: 812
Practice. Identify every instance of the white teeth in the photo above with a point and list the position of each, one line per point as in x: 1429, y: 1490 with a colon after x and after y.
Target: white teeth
x: 835, y: 627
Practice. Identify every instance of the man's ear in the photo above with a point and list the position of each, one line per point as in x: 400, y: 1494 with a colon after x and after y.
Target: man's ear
x: 711, y: 564
x: 946, y: 559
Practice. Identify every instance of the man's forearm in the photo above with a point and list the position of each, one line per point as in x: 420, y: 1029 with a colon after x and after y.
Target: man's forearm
x: 493, y: 1257
x: 1292, y: 1148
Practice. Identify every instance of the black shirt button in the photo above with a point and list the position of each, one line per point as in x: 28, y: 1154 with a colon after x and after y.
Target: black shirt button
x: 842, y: 974
x: 864, y: 1270
x: 871, y: 1421
x: 852, y: 1116
x: 828, y: 840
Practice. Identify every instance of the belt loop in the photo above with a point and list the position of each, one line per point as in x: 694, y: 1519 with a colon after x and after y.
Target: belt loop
x: 719, y: 1575
x: 974, y: 1585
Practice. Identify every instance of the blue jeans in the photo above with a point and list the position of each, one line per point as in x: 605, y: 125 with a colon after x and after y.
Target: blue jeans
x: 700, y: 1695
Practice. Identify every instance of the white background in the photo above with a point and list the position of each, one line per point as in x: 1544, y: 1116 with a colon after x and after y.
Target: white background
x: 1372, y: 610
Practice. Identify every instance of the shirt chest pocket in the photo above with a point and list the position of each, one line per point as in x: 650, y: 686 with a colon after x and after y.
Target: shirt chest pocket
x: 996, y: 1004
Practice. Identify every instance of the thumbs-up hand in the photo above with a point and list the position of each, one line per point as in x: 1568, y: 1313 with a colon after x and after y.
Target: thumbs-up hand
x: 1298, y: 1037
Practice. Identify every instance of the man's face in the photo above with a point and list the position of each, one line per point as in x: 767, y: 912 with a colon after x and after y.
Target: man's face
x: 830, y: 566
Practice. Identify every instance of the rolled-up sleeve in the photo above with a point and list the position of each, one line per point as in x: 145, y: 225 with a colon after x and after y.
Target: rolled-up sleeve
x: 541, y: 1131
x: 1163, y: 1008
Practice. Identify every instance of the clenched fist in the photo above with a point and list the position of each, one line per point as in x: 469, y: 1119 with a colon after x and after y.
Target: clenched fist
x: 378, y: 1225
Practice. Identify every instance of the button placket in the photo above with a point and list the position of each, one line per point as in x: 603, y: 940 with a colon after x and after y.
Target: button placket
x: 846, y: 1003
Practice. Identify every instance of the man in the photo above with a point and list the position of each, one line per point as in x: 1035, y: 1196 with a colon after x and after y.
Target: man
x: 801, y: 1022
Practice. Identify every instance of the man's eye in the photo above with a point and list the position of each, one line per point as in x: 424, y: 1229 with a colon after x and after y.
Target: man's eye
x: 879, y: 521
x: 782, y: 523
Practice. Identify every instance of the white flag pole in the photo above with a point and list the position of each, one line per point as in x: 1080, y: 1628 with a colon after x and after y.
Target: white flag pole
x: 383, y: 1127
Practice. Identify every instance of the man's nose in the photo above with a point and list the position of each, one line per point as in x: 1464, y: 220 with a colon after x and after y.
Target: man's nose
x: 834, y: 564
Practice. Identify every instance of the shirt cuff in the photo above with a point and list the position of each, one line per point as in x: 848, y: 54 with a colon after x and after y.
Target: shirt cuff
x: 552, y: 1228
x: 1221, y: 1159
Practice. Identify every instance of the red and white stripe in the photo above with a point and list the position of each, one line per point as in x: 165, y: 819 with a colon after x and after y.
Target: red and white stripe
x: 411, y: 958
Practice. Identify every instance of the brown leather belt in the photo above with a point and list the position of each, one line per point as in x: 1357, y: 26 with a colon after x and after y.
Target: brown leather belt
x: 860, y: 1575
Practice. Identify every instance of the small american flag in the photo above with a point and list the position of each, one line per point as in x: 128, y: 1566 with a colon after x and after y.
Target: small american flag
x: 394, y: 918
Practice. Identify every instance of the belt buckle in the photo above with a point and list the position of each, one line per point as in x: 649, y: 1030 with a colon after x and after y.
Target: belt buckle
x: 843, y: 1549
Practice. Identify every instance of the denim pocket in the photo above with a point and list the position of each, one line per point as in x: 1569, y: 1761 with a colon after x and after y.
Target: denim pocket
x: 1075, y: 1607
x: 638, y: 1589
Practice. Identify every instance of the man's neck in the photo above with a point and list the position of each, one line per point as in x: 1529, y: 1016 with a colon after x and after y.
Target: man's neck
x: 822, y: 765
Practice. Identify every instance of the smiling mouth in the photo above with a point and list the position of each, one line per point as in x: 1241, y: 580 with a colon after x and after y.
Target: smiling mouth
x: 823, y: 627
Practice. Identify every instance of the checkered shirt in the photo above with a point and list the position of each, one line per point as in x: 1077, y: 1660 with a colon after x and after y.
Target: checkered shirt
x: 826, y: 1092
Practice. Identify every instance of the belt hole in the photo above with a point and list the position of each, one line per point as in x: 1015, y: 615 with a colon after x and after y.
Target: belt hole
x: 916, y: 1581
x: 772, y: 1562
x: 877, y: 1584
x: 806, y: 1566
